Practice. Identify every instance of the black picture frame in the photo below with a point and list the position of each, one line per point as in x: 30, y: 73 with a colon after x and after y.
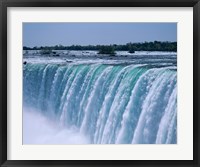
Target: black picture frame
x: 4, y: 4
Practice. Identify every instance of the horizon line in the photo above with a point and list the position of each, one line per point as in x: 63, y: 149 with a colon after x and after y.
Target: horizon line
x: 99, y: 44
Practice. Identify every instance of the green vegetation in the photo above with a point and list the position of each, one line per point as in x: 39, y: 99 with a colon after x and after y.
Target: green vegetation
x: 46, y: 50
x: 131, y: 47
x: 107, y: 50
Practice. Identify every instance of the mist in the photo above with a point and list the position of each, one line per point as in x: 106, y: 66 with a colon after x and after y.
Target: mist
x: 38, y: 129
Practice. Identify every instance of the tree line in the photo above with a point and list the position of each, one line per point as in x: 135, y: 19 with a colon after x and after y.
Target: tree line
x: 131, y: 47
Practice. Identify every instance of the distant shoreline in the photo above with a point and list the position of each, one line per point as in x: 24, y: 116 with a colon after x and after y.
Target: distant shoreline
x: 130, y: 47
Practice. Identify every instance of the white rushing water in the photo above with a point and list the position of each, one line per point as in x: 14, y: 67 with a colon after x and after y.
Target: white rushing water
x: 116, y: 102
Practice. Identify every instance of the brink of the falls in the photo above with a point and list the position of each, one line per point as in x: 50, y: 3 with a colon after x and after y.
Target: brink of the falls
x: 106, y: 103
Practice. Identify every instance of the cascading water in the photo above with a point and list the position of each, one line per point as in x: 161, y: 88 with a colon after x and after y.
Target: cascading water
x: 111, y: 104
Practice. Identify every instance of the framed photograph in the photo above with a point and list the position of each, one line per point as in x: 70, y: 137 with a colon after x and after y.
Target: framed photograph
x: 99, y: 83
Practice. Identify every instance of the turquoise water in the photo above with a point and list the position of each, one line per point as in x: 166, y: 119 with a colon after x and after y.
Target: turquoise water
x: 111, y: 104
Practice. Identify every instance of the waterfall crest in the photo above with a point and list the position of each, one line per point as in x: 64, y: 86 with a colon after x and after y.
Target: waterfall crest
x: 111, y: 104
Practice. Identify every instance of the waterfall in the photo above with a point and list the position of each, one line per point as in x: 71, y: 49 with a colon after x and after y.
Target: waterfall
x: 111, y: 104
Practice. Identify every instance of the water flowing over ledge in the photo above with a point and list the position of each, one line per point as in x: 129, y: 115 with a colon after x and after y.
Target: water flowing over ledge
x: 110, y: 104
